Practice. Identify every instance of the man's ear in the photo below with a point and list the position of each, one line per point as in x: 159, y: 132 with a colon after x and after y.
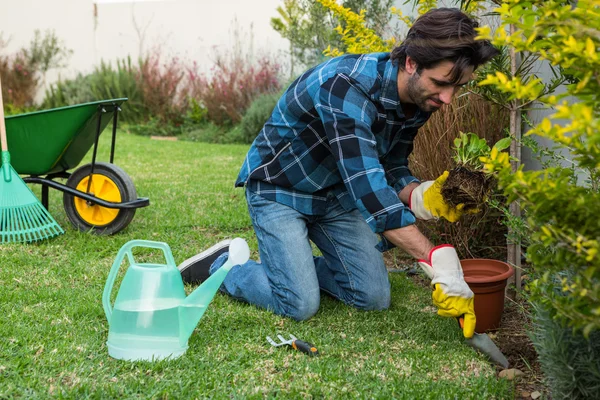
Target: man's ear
x: 410, y: 65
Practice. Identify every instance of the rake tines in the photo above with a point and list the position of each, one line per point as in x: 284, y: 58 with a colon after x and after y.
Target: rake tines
x: 22, y: 217
x: 27, y: 223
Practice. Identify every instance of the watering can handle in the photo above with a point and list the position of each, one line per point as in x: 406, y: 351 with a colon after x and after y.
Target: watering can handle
x: 126, y: 250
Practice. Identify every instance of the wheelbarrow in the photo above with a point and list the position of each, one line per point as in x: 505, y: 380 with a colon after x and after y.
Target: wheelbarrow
x: 44, y: 145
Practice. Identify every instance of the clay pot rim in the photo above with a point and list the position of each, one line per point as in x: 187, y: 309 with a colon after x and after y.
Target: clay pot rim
x: 488, y: 279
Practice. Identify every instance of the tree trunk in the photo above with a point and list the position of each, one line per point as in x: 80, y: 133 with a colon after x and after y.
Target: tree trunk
x: 514, y: 246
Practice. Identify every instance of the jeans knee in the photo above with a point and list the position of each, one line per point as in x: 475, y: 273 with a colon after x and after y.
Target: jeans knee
x: 374, y: 300
x: 303, y: 309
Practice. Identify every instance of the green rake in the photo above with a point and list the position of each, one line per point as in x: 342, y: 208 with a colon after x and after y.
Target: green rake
x: 22, y: 217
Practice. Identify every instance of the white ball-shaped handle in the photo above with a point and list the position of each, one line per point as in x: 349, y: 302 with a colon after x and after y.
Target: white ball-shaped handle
x: 239, y: 252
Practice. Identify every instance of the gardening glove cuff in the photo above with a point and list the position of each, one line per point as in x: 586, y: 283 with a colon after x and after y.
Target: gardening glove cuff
x: 452, y: 296
x: 416, y: 204
x: 426, y: 201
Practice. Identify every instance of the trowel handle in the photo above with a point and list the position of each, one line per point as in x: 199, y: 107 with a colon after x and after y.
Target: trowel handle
x: 114, y: 270
x: 305, y: 347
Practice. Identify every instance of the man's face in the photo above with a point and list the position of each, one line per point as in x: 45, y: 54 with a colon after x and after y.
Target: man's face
x: 431, y: 88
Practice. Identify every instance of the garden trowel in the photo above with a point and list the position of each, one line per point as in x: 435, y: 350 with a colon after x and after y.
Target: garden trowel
x: 482, y: 343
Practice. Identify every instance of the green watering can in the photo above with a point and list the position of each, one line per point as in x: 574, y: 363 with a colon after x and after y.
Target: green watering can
x: 152, y: 318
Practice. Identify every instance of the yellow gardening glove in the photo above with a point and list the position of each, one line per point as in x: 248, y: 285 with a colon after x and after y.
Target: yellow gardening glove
x: 452, y: 296
x: 456, y: 307
x: 426, y: 201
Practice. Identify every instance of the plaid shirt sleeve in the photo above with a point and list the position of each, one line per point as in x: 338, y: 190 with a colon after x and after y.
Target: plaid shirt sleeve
x: 396, y: 163
x: 347, y: 114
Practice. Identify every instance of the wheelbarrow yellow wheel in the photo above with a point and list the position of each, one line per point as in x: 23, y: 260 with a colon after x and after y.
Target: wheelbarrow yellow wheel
x: 109, y: 183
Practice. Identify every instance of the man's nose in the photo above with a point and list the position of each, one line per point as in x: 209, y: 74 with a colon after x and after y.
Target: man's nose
x: 447, y: 94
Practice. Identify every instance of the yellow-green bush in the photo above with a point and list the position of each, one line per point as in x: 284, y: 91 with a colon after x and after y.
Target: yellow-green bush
x: 563, y: 213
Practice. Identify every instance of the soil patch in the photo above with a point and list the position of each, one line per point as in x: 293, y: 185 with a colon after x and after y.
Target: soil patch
x: 513, y: 340
x: 467, y: 187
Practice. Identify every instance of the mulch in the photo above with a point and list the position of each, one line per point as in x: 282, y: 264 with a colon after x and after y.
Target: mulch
x: 512, y: 338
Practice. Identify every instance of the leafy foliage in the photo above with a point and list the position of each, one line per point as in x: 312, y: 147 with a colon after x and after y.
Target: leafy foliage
x: 562, y: 211
x: 46, y: 52
x: 470, y: 148
x: 308, y: 27
x: 23, y: 72
x: 105, y: 82
x: 569, y: 361
x: 356, y: 35
x: 255, y: 117
x: 314, y: 26
x: 235, y: 81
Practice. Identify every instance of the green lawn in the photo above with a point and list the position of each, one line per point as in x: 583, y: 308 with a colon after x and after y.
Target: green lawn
x: 53, y: 329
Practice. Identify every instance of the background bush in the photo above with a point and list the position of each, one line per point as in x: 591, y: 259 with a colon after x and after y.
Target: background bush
x: 257, y: 114
x: 23, y: 72
x: 480, y: 235
x: 153, y: 90
x: 570, y: 362
x: 311, y: 28
x: 235, y: 81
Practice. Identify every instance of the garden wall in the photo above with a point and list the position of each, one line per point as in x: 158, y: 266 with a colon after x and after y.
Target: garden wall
x: 109, y: 29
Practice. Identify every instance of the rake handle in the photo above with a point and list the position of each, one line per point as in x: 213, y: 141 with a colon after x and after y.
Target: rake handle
x: 2, y: 125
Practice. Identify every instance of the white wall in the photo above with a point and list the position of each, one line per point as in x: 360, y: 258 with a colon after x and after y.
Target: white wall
x: 106, y: 29
x: 113, y: 29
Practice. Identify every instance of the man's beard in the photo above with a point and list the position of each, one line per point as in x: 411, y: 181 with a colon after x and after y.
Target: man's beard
x: 419, y: 96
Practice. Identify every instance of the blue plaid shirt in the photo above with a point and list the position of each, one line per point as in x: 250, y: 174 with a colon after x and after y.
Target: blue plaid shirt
x: 339, y: 128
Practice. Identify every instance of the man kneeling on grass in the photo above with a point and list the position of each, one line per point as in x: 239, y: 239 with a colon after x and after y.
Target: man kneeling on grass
x: 331, y: 166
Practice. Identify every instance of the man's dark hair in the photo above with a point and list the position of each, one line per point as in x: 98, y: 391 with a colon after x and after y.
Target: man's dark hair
x: 444, y: 34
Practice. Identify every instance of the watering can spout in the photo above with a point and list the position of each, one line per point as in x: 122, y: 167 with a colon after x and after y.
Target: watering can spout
x: 193, y: 307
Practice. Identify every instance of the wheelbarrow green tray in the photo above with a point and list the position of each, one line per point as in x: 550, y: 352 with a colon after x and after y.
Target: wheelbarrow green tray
x: 50, y: 141
x: 45, y: 145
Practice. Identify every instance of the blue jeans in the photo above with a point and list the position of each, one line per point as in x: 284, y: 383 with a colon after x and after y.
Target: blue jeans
x: 288, y: 279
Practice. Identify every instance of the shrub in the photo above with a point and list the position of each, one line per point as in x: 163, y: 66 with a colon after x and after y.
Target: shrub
x: 19, y: 81
x: 562, y: 211
x: 68, y: 92
x: 561, y: 208
x: 160, y: 89
x: 474, y: 236
x: 237, y: 77
x: 257, y: 114
x: 105, y: 82
x: 570, y: 362
x: 357, y: 36
x: 23, y: 72
x: 235, y: 81
x: 46, y: 52
x: 154, y: 90
x: 310, y: 27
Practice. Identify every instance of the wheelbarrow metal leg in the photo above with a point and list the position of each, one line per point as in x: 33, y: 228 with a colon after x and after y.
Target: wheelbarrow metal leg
x: 101, y: 110
x: 45, y: 196
x: 114, y: 132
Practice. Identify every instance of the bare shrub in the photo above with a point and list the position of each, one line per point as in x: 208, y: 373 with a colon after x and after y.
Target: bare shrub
x: 237, y: 77
x: 478, y: 235
x: 19, y: 81
x: 23, y: 72
x: 234, y: 82
x: 161, y: 86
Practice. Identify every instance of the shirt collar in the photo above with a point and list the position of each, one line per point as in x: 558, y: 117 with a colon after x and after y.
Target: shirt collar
x: 389, y: 88
x: 389, y: 92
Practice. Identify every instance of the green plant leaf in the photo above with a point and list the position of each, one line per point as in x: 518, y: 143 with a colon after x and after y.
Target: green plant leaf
x: 503, y: 144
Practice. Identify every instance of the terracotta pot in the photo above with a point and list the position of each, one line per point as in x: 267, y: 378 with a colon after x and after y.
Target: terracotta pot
x: 487, y: 279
